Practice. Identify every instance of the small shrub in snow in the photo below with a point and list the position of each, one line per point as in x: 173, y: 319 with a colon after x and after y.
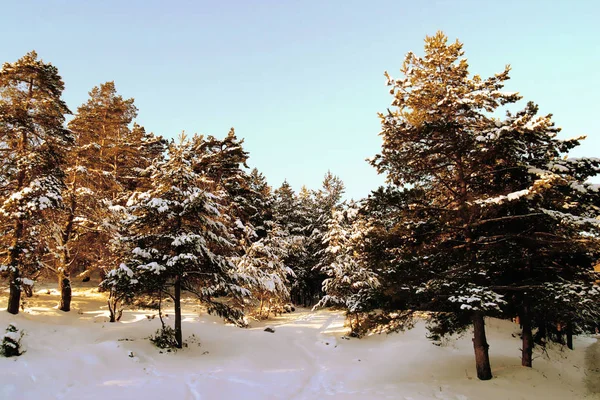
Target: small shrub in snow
x: 11, y: 342
x: 164, y: 338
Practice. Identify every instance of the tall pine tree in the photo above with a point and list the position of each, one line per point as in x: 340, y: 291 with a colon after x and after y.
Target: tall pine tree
x: 430, y: 143
x: 485, y: 217
x: 33, y: 144
x: 104, y: 167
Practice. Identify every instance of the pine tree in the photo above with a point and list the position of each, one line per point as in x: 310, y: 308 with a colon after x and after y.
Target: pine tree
x: 33, y: 143
x: 291, y: 214
x: 180, y: 239
x: 430, y: 142
x: 225, y: 162
x: 305, y: 216
x: 324, y: 202
x: 493, y: 220
x: 105, y: 166
x: 350, y: 282
x: 286, y: 209
x: 544, y: 227
x: 260, y: 203
x: 263, y: 267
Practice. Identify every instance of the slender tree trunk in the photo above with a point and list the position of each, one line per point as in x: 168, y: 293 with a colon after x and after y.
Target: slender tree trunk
x: 112, y: 307
x: 261, y: 308
x: 64, y: 280
x: 569, y: 335
x: 177, y: 304
x: 14, y: 297
x: 64, y: 285
x: 162, y: 322
x: 480, y: 345
x: 527, y: 336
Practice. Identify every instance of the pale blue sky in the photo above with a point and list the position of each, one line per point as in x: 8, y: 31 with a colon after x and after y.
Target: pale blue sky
x: 302, y: 81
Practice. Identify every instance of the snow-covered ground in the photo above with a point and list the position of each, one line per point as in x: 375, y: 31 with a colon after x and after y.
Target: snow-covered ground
x: 79, y: 355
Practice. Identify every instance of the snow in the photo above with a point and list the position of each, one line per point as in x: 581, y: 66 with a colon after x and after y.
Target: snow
x: 508, y: 197
x: 14, y: 336
x: 79, y: 355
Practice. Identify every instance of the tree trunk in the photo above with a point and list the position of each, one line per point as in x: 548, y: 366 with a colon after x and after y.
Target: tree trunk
x: 177, y: 304
x: 114, y: 307
x: 64, y: 285
x: 527, y: 336
x: 14, y: 297
x: 262, y: 301
x: 480, y: 345
x: 64, y: 281
x: 569, y: 335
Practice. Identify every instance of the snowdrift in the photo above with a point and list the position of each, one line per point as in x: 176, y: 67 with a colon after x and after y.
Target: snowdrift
x: 79, y: 355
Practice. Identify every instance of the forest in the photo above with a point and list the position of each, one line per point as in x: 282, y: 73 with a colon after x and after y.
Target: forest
x: 483, y: 215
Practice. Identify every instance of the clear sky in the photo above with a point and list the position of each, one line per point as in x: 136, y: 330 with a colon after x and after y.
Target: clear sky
x: 302, y: 81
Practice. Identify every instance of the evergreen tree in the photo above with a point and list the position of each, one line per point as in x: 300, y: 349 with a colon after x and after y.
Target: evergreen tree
x: 105, y: 166
x: 263, y: 268
x: 286, y: 210
x: 430, y: 142
x: 33, y: 144
x: 291, y: 215
x: 350, y: 283
x: 260, y: 203
x: 180, y: 239
x: 305, y: 216
x: 324, y: 202
x: 492, y: 219
x: 225, y: 162
x: 543, y: 229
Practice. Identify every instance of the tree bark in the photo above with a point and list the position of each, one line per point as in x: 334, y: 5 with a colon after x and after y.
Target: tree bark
x: 527, y: 336
x: 480, y: 345
x: 177, y: 304
x: 64, y: 285
x: 569, y: 335
x: 14, y: 297
x: 64, y: 281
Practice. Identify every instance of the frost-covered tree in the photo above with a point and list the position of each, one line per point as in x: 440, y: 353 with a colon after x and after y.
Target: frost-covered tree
x: 288, y: 215
x: 104, y: 166
x: 263, y: 267
x: 225, y: 162
x: 260, y: 200
x: 304, y: 216
x: 485, y: 215
x: 33, y: 145
x: 542, y: 226
x: 350, y: 282
x: 286, y: 210
x: 319, y: 211
x: 430, y: 143
x: 180, y: 239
